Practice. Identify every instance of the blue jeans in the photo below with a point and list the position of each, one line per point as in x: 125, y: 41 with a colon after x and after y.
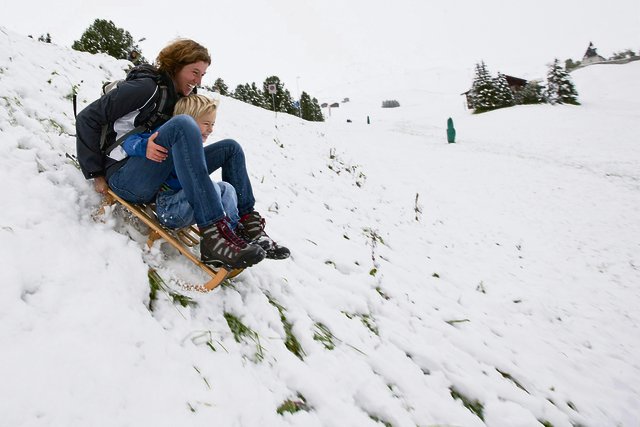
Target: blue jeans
x: 140, y: 179
x: 175, y: 211
x: 229, y: 156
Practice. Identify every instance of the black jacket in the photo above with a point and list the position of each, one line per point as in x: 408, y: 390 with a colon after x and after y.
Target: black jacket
x: 132, y: 103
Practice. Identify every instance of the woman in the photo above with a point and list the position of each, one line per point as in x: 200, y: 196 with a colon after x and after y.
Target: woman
x: 147, y: 99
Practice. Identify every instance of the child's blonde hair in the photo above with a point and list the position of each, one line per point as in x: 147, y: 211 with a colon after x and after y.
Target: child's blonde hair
x: 195, y: 105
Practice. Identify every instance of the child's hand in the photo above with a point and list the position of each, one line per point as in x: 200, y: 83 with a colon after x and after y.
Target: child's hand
x: 156, y: 152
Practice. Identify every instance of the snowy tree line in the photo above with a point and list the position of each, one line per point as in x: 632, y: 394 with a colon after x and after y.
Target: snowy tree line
x: 104, y: 36
x: 570, y: 64
x: 281, y: 101
x: 489, y: 93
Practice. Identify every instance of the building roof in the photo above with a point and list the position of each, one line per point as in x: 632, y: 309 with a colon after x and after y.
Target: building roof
x: 515, y: 81
x: 511, y: 81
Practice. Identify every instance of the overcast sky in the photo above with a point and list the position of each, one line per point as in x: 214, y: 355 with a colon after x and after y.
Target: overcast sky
x: 321, y: 41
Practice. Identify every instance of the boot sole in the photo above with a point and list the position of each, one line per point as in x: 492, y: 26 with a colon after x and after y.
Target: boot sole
x: 242, y: 263
x: 276, y: 255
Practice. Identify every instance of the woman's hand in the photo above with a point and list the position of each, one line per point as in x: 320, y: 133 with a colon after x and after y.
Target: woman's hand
x: 156, y: 152
x: 100, y: 184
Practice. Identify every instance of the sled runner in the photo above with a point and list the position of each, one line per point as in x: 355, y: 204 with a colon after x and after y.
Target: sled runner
x: 183, y: 240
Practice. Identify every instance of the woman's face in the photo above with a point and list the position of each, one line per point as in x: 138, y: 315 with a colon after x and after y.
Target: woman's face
x: 205, y: 123
x: 189, y: 77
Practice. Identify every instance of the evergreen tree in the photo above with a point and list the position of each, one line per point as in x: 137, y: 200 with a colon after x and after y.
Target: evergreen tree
x: 317, y: 111
x: 624, y: 54
x: 306, y: 107
x: 255, y: 96
x: 282, y: 98
x: 221, y: 87
x: 483, y: 94
x: 569, y: 64
x: 241, y: 93
x: 532, y: 93
x: 310, y: 109
x: 289, y: 104
x: 250, y: 94
x: 103, y: 36
x: 504, y: 96
x: 560, y: 87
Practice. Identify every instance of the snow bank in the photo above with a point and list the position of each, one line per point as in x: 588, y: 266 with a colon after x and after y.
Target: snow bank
x: 489, y: 282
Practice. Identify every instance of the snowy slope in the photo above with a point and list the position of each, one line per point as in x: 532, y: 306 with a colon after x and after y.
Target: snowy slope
x: 500, y: 272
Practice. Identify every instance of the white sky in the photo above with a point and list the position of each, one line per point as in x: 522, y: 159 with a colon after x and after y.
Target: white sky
x: 324, y: 41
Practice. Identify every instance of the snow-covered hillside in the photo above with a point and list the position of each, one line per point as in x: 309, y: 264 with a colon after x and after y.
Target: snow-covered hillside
x: 495, y: 281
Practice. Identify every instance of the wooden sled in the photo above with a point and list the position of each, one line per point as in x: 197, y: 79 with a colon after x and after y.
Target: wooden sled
x: 183, y: 240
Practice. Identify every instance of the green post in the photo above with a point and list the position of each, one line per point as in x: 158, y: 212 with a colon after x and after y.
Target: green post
x: 451, y: 131
x: 368, y: 120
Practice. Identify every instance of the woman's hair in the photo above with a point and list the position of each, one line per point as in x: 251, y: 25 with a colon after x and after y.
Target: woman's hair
x: 195, y: 105
x: 179, y: 53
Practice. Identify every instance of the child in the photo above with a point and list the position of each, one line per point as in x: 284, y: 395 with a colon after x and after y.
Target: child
x: 172, y: 207
x: 236, y: 196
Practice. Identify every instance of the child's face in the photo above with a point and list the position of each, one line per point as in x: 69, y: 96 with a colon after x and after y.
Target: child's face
x: 206, y: 122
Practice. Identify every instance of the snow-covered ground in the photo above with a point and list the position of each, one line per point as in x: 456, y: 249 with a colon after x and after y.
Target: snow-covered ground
x: 495, y: 281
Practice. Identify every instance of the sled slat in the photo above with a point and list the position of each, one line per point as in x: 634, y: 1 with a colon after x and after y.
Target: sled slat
x: 157, y: 232
x: 153, y: 236
x: 185, y: 235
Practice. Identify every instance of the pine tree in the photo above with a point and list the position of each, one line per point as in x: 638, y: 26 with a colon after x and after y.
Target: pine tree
x: 317, y: 111
x: 483, y: 94
x: 103, y: 36
x: 504, y: 96
x: 221, y: 87
x: 560, y: 87
x: 272, y: 100
x: 310, y: 109
x: 289, y: 104
x: 241, y: 93
x: 624, y: 54
x: 282, y: 97
x: 532, y: 93
x: 250, y: 94
x: 255, y: 96
x: 569, y: 64
x: 306, y: 107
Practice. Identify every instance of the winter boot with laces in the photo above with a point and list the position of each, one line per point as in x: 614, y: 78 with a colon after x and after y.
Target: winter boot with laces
x: 221, y: 247
x: 251, y: 229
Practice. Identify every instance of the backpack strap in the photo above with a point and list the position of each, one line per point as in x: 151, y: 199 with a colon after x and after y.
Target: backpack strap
x: 119, y: 141
x: 159, y: 113
x: 146, y: 126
